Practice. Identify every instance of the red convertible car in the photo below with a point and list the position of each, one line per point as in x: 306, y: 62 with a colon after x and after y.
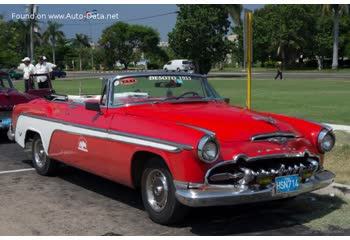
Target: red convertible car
x: 175, y: 138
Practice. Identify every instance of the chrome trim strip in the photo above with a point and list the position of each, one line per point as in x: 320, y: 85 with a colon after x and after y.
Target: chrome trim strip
x: 179, y: 146
x: 206, y: 131
x: 201, y: 195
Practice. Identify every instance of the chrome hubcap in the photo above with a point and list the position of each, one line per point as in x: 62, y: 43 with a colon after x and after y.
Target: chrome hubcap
x: 39, y: 154
x: 157, y: 190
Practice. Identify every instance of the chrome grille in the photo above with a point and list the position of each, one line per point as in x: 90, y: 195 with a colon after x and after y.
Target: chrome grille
x: 244, y: 172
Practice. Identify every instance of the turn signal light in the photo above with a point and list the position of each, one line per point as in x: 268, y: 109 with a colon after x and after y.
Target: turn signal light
x: 264, y: 180
x: 306, y: 175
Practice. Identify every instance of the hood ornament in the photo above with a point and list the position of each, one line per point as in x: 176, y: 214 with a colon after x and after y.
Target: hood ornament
x: 266, y: 119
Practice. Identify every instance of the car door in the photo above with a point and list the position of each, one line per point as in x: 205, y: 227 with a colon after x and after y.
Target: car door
x: 81, y: 138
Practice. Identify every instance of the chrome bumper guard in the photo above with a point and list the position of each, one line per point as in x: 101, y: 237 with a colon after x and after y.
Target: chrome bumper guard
x: 11, y: 134
x: 201, y: 195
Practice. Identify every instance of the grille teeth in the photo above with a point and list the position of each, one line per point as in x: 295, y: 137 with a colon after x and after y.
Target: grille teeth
x: 246, y: 174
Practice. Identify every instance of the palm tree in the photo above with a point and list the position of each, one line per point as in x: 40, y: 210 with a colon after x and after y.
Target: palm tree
x: 81, y: 41
x: 52, y: 35
x: 24, y: 31
x: 337, y: 10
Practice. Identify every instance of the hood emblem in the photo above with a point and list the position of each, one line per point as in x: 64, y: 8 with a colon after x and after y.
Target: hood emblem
x: 279, y: 140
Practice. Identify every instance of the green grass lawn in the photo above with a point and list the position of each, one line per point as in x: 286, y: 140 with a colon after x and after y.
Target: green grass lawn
x: 338, y: 159
x: 323, y: 100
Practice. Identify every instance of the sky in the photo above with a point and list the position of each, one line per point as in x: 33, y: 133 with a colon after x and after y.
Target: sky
x: 73, y: 13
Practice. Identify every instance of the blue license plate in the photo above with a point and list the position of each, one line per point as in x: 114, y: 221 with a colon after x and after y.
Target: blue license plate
x: 5, y: 122
x: 287, y: 184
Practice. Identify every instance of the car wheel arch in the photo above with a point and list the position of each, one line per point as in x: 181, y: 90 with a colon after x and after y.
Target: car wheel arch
x: 28, y: 141
x: 138, y: 163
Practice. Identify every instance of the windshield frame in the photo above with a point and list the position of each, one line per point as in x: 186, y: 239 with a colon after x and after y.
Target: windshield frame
x: 207, y: 88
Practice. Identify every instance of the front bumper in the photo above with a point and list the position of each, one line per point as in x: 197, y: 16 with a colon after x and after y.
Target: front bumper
x: 201, y: 195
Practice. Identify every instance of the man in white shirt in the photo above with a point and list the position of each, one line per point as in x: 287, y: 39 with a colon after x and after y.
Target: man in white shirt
x: 27, y: 68
x: 51, y: 66
x: 42, y: 68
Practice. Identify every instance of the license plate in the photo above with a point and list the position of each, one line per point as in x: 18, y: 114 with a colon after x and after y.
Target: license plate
x: 5, y: 122
x: 287, y: 184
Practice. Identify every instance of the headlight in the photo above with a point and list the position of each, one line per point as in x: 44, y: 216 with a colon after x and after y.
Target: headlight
x: 325, y: 141
x: 208, y: 149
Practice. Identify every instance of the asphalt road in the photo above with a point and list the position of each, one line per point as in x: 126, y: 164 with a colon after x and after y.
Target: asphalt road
x: 79, y: 203
x: 233, y: 75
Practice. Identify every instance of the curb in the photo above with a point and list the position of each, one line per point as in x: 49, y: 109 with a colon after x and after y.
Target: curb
x: 335, y: 189
x: 339, y: 127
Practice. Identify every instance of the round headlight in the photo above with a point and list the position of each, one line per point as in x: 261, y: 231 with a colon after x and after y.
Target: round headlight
x: 325, y: 141
x: 208, y: 149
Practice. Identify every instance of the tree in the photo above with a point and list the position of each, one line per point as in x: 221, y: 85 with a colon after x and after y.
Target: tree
x: 235, y: 11
x: 337, y: 10
x: 122, y: 42
x: 81, y: 42
x: 52, y: 35
x: 200, y: 34
x: 282, y: 32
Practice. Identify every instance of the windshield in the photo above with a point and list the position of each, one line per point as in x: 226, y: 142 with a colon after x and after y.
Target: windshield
x: 162, y: 88
x: 5, y: 81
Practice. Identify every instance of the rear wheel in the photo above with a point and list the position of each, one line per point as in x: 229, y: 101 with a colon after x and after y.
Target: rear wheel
x: 178, y: 69
x: 41, y: 162
x: 158, y: 194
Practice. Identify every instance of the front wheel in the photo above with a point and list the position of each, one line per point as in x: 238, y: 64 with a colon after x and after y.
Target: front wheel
x: 158, y: 194
x: 41, y: 162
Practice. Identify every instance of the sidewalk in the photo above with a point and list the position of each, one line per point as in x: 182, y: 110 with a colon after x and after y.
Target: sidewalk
x: 339, y: 127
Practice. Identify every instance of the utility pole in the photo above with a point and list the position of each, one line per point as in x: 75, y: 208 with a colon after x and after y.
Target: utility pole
x: 32, y: 10
x: 91, y: 46
x: 248, y: 50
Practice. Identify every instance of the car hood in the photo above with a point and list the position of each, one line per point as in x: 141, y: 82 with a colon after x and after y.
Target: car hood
x: 229, y: 123
x: 10, y: 97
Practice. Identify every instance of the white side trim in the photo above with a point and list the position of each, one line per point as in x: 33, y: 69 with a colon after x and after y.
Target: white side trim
x: 46, y: 128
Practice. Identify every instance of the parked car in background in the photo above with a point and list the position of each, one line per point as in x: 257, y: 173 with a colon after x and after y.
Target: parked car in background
x: 178, y: 65
x: 172, y: 136
x: 13, y: 74
x: 57, y: 72
x: 9, y: 97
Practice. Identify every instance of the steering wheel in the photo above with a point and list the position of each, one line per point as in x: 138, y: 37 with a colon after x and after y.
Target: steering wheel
x: 190, y: 92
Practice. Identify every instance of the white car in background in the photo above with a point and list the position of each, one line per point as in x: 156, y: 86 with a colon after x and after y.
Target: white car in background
x: 178, y: 65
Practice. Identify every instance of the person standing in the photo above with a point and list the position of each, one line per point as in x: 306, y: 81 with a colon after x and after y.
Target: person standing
x: 42, y: 68
x: 51, y: 66
x: 279, y: 72
x: 27, y: 68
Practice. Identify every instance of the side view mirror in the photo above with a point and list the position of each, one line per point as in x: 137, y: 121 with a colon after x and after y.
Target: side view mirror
x: 93, y: 106
x: 227, y: 100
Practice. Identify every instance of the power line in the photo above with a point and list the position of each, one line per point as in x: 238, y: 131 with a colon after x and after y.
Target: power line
x: 127, y: 20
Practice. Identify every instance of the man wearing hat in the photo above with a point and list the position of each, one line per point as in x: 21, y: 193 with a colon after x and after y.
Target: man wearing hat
x: 42, y: 68
x: 27, y: 68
